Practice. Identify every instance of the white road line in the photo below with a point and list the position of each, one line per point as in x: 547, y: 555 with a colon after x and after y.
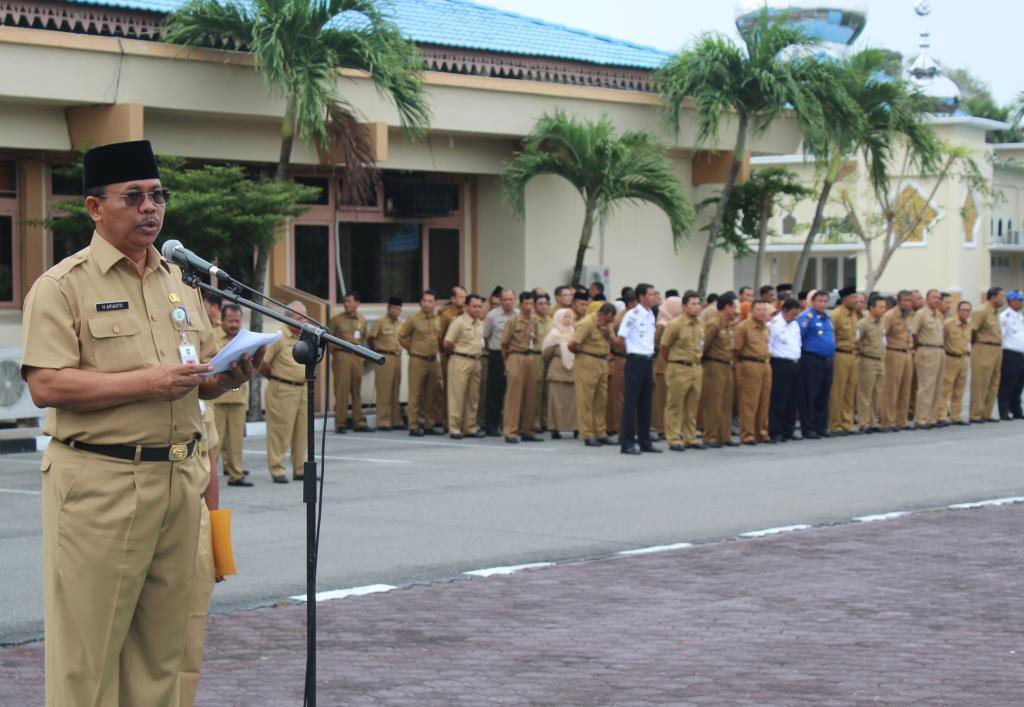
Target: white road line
x: 774, y: 531
x: 522, y: 446
x: 368, y: 460
x: 350, y: 592
x: 984, y: 504
x: 881, y: 516
x: 511, y: 569
x: 654, y: 548
x: 19, y: 491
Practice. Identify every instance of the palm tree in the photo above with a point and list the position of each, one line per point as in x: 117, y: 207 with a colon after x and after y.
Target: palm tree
x: 299, y: 45
x: 755, y: 81
x: 887, y: 121
x: 604, y: 168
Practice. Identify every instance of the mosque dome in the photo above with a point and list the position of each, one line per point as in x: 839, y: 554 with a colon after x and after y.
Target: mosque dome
x: 924, y: 72
x: 835, y: 23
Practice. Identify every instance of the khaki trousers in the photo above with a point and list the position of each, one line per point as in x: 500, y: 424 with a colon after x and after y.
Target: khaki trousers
x: 986, y: 362
x: 716, y: 402
x: 481, y: 406
x: 658, y: 399
x: 286, y: 427
x: 870, y: 379
x: 520, y: 411
x: 463, y: 394
x: 843, y: 396
x: 203, y: 580
x: 348, y: 385
x: 954, y: 380
x: 616, y: 381
x: 119, y: 547
x: 387, y: 381
x: 754, y: 390
x: 424, y: 388
x: 590, y: 379
x: 230, y: 421
x: 540, y: 373
x: 929, y: 363
x: 896, y: 390
x: 682, y: 400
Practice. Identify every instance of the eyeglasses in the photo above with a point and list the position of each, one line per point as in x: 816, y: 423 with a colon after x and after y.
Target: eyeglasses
x: 134, y: 199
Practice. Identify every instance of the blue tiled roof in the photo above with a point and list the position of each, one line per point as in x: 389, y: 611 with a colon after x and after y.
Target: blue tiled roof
x: 468, y: 25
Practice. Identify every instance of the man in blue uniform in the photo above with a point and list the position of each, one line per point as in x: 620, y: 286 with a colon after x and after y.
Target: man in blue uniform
x: 818, y: 347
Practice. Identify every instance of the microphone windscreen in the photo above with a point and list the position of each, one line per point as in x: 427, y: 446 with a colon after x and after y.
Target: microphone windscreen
x: 169, y: 247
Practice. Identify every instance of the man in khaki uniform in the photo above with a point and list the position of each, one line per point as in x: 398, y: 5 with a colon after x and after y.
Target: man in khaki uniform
x: 111, y: 344
x: 871, y: 366
x: 753, y: 374
x: 682, y: 345
x: 456, y: 306
x: 843, y: 395
x: 388, y: 376
x: 986, y: 355
x: 617, y: 368
x: 542, y: 311
x: 590, y: 343
x: 464, y: 344
x: 717, y: 388
x: 231, y: 408
x: 520, y: 347
x: 929, y: 360
x: 286, y: 403
x: 580, y: 301
x: 420, y: 336
x: 349, y: 326
x: 957, y: 341
x: 898, y: 364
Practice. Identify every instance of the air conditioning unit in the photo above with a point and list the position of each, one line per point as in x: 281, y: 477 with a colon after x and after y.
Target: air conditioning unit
x: 596, y: 273
x: 15, y: 401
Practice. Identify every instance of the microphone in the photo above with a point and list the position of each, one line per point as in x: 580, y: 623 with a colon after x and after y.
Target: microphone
x: 177, y: 253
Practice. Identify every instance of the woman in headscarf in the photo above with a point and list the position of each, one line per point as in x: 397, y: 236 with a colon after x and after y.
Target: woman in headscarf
x: 671, y: 308
x: 558, y: 361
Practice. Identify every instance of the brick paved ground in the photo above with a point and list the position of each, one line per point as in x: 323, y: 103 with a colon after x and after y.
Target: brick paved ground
x: 924, y: 609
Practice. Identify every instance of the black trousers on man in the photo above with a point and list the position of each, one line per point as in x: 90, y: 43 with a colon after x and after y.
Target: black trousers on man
x: 785, y: 398
x: 495, y: 392
x: 1011, y: 384
x: 637, y: 390
x: 815, y: 374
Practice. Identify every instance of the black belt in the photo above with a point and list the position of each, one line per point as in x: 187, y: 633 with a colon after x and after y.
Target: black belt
x: 846, y: 352
x: 620, y: 355
x: 587, y: 353
x: 645, y: 356
x: 752, y: 359
x: 953, y: 355
x: 286, y: 381
x: 889, y: 348
x: 931, y: 346
x: 428, y: 359
x: 391, y: 353
x: 873, y: 358
x: 456, y: 353
x: 717, y: 360
x: 524, y: 353
x: 137, y: 453
x: 685, y: 363
x: 988, y: 343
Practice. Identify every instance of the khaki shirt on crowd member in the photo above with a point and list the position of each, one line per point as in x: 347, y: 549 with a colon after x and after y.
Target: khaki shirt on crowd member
x: 618, y: 347
x: 870, y: 339
x: 220, y: 338
x: 844, y: 324
x: 589, y: 339
x: 448, y: 315
x: 957, y: 336
x: 282, y: 364
x: 466, y: 335
x: 349, y: 327
x: 709, y: 312
x: 985, y: 325
x: 926, y: 326
x: 718, y: 340
x: 683, y: 338
x: 751, y: 340
x: 384, y: 335
x: 521, y: 334
x: 895, y: 326
x: 423, y: 332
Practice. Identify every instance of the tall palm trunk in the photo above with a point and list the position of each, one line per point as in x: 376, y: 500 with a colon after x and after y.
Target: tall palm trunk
x: 805, y: 252
x: 762, y: 238
x: 585, y: 235
x: 723, y: 201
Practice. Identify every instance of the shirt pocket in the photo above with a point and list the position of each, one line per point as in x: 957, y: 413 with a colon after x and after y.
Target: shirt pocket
x: 116, y: 343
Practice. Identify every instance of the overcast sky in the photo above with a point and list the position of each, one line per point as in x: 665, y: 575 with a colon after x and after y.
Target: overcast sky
x: 982, y: 35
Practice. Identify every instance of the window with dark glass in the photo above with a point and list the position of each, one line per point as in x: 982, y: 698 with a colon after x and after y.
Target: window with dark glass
x: 829, y: 273
x: 8, y: 178
x: 312, y: 259
x: 444, y: 260
x: 324, y: 197
x: 382, y: 260
x: 65, y: 181
x: 6, y: 258
x: 850, y: 271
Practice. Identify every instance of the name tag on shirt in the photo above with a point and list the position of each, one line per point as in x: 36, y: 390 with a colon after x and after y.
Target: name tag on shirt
x: 111, y: 306
x: 188, y: 354
x: 356, y: 334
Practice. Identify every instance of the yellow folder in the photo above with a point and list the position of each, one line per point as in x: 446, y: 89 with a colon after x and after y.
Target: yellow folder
x: 223, y: 555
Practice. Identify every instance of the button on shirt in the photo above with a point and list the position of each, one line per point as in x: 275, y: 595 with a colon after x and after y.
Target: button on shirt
x: 786, y: 339
x: 816, y: 334
x: 637, y: 329
x: 494, y: 327
x: 1012, y: 324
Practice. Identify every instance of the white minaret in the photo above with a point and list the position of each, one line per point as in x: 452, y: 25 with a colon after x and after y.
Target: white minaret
x: 924, y: 71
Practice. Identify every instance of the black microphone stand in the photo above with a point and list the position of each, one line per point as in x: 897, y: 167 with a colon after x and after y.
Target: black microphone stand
x: 309, y: 350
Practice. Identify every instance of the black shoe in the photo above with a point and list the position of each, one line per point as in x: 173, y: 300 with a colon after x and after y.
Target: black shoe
x: 661, y: 436
x: 882, y: 430
x: 714, y: 445
x: 631, y: 450
x: 433, y: 431
x: 838, y: 433
x: 455, y: 435
x: 384, y: 428
x: 925, y: 427
x: 241, y: 482
x: 826, y: 434
x: 811, y: 435
x: 532, y: 438
x: 492, y: 433
x: 555, y: 434
x: 869, y: 430
x: 366, y: 429
x: 677, y: 447
x: 749, y: 444
x: 650, y: 449
x: 696, y: 446
x: 511, y: 440
x: 575, y: 434
x: 282, y: 479
x: 730, y: 443
x: 778, y: 438
x: 610, y: 441
x: 593, y: 442
x: 770, y: 440
x: 416, y: 433
x: 340, y: 430
x: 962, y: 423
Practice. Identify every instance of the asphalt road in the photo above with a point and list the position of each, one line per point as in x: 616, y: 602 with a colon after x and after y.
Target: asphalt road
x: 400, y: 510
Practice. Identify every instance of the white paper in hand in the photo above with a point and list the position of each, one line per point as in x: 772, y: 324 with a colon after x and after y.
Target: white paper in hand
x: 245, y: 342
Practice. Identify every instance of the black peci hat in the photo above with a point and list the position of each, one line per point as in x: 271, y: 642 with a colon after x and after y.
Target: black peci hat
x: 846, y: 292
x: 784, y: 287
x: 396, y: 301
x: 119, y: 162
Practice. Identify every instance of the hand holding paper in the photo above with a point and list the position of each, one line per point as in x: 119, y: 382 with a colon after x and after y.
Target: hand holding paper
x: 245, y: 342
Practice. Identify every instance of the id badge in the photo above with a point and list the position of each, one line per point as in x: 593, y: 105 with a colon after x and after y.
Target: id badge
x: 357, y: 335
x: 188, y: 354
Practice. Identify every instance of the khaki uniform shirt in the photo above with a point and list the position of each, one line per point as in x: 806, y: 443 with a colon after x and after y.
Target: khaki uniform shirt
x: 92, y: 312
x: 718, y: 340
x: 232, y: 397
x: 467, y: 334
x: 870, y: 339
x: 895, y: 326
x: 589, y: 339
x: 844, y: 324
x: 282, y: 364
x: 957, y: 336
x: 448, y: 315
x: 985, y: 325
x: 926, y: 325
x: 348, y: 327
x: 751, y: 340
x: 619, y: 348
x: 423, y: 331
x: 521, y: 334
x: 384, y: 333
x: 708, y: 313
x: 684, y: 337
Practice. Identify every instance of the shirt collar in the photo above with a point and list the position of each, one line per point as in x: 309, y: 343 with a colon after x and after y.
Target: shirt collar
x: 107, y: 256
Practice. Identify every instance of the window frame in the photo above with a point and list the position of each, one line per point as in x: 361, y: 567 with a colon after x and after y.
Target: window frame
x: 9, y: 208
